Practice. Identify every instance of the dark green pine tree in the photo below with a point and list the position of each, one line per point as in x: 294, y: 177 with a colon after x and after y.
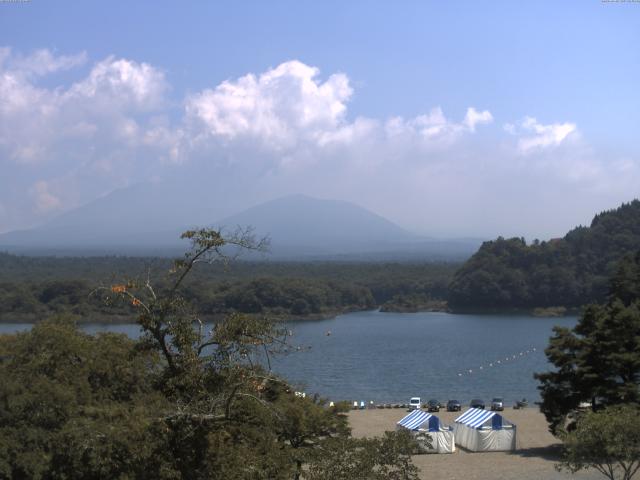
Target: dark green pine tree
x: 625, y: 284
x: 599, y: 359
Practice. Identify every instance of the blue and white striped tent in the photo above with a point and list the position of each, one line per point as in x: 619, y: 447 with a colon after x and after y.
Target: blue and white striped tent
x: 441, y: 438
x: 481, y: 430
x: 417, y: 420
x: 477, y: 417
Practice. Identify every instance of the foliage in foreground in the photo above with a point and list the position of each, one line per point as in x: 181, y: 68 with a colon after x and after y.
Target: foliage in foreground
x: 72, y: 404
x: 599, y: 359
x: 608, y: 441
x: 385, y: 458
x: 181, y: 402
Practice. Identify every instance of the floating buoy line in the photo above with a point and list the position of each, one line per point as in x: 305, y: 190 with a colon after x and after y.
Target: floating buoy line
x: 470, y: 371
x: 501, y: 361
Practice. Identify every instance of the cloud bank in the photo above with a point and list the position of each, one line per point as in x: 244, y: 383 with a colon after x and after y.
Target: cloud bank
x: 284, y: 130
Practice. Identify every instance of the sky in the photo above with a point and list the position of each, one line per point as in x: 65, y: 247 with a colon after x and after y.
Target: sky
x: 466, y: 118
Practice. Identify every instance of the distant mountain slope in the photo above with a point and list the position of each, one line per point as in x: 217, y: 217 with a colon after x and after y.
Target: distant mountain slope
x: 299, y: 221
x: 302, y: 227
x: 148, y: 219
x: 128, y: 217
x: 572, y: 271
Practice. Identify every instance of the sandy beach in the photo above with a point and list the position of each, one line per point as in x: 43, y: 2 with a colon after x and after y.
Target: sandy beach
x: 535, y: 457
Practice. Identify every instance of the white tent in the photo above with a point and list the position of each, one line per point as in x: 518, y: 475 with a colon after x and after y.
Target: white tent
x: 480, y: 430
x: 422, y: 424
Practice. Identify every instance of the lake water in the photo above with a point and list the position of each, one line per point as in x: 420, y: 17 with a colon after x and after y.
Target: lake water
x: 389, y: 357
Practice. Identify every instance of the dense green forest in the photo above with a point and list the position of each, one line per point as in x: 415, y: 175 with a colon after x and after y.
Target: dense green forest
x: 32, y: 288
x: 570, y: 272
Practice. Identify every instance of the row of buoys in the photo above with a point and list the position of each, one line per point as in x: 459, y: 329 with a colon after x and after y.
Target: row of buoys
x: 501, y: 361
x: 370, y: 406
x: 362, y: 405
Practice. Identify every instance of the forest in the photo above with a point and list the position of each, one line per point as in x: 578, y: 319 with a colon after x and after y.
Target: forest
x: 33, y: 288
x: 571, y: 271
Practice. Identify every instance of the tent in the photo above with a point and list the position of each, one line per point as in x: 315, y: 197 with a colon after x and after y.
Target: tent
x: 481, y: 430
x: 422, y: 424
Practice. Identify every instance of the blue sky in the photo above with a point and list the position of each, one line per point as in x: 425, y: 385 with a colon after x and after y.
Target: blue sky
x: 571, y: 68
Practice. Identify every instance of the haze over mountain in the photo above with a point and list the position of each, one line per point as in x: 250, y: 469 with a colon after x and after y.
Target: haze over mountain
x: 145, y: 220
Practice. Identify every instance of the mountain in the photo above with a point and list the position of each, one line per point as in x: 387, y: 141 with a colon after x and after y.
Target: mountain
x: 142, y: 219
x: 303, y: 222
x: 571, y: 271
x: 147, y: 219
x: 304, y: 227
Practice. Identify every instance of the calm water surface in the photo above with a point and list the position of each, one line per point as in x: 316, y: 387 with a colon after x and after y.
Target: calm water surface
x: 389, y: 357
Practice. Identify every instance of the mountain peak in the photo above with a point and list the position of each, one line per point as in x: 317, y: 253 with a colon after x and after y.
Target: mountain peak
x: 302, y: 220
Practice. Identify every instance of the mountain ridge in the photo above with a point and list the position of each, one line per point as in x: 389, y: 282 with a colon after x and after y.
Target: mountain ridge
x: 299, y: 226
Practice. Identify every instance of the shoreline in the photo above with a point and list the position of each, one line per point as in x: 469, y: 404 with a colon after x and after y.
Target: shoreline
x: 31, y: 319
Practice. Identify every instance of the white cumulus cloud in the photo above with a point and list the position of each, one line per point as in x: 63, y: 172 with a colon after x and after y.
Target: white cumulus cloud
x: 433, y: 128
x: 537, y: 136
x: 102, y: 109
x: 280, y: 107
x: 289, y: 116
x: 98, y: 126
x: 124, y: 83
x: 474, y: 117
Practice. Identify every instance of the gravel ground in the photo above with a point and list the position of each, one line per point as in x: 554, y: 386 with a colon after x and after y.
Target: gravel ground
x: 534, y: 459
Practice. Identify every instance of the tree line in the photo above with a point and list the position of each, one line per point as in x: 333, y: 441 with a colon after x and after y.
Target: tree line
x: 33, y: 288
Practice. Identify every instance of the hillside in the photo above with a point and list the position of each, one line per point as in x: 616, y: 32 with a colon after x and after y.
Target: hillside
x: 571, y: 271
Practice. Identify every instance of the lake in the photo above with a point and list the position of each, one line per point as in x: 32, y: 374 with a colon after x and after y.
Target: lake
x: 389, y: 357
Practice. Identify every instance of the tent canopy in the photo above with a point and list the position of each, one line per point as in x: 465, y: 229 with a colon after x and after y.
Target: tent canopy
x: 418, y: 419
x: 479, y: 418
